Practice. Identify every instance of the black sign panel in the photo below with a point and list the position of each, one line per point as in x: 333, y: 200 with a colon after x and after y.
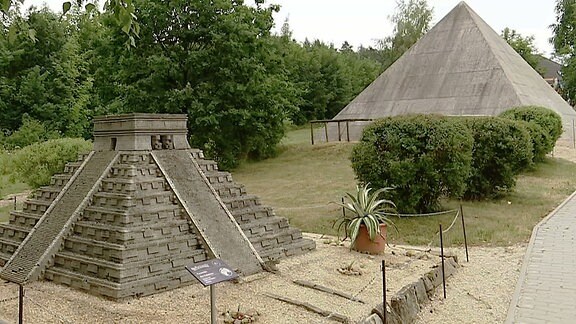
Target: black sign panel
x: 212, y: 271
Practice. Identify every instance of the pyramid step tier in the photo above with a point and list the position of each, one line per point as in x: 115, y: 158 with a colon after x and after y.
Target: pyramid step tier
x: 127, y: 253
x: 157, y: 263
x: 137, y: 216
x: 39, y: 247
x: 23, y: 219
x: 137, y: 288
x: 133, y: 234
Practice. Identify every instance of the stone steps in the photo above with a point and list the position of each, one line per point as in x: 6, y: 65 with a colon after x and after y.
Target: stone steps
x: 35, y: 206
x: 138, y: 288
x: 4, y: 257
x: 121, y: 200
x: 24, y: 219
x: 59, y: 180
x: 127, y: 271
x: 229, y: 190
x: 133, y: 234
x: 47, y: 193
x: 39, y: 247
x: 71, y: 167
x: 241, y: 202
x: 14, y: 232
x: 132, y: 171
x: 130, y: 185
x: 207, y: 165
x: 121, y: 217
x: 248, y: 214
x: 8, y: 245
x: 117, y: 252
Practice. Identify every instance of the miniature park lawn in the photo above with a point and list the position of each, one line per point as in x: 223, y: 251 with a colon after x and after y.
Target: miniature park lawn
x: 303, y: 181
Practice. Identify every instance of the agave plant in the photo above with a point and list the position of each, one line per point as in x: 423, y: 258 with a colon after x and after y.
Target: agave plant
x: 366, y: 208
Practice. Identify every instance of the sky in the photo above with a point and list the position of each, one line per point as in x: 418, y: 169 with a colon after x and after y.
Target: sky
x: 361, y: 22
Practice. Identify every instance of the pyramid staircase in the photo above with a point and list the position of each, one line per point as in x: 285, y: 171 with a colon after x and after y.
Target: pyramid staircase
x: 132, y: 227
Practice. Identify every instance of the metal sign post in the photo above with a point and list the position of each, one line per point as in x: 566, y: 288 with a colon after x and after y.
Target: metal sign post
x: 209, y: 273
x: 20, y: 304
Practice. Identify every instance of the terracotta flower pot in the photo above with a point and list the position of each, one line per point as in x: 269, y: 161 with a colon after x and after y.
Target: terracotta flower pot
x: 363, y: 243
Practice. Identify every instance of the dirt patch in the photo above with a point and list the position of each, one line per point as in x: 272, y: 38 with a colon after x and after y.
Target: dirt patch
x: 9, y: 199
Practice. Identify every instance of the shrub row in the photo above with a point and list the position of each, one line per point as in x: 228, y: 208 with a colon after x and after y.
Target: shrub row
x: 35, y: 164
x: 427, y: 157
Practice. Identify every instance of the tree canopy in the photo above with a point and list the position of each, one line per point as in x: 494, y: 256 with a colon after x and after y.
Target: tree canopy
x: 564, y: 40
x: 523, y: 46
x: 216, y: 61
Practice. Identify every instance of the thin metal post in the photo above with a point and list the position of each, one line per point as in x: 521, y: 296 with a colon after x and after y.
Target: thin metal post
x: 384, y: 291
x: 573, y: 135
x: 343, y: 209
x: 15, y: 202
x: 442, y: 256
x: 326, y: 130
x: 212, y: 304
x: 348, y: 131
x: 312, y: 133
x: 20, y: 304
x: 464, y: 230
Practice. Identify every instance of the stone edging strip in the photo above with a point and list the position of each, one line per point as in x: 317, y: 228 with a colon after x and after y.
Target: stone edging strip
x: 406, y: 303
x: 522, y: 277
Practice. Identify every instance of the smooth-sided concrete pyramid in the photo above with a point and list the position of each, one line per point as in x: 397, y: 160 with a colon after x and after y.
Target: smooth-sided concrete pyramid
x: 460, y: 67
x: 125, y: 219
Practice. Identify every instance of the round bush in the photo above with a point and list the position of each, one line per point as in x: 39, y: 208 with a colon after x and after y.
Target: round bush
x: 35, y: 164
x: 502, y: 149
x: 550, y: 127
x: 424, y: 157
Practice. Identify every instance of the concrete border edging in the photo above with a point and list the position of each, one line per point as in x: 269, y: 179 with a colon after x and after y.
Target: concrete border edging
x: 407, y: 302
x: 515, y: 298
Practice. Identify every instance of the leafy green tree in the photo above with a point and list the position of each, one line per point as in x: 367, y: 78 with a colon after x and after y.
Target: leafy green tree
x: 43, y: 77
x: 523, y: 46
x: 411, y: 21
x: 213, y: 60
x: 121, y: 10
x: 564, y: 40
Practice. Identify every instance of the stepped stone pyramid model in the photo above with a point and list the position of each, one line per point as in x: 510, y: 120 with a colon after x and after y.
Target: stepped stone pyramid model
x: 125, y: 219
x: 460, y: 67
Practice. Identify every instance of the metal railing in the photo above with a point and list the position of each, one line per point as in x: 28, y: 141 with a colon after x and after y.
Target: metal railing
x: 339, y: 122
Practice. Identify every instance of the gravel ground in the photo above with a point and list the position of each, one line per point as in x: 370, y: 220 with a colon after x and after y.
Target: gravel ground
x: 50, y: 303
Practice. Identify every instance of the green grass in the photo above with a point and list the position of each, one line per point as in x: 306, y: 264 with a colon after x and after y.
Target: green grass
x: 303, y: 180
x: 7, y: 187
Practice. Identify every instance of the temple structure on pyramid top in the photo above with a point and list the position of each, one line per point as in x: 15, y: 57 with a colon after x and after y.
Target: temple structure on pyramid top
x: 125, y: 219
x: 461, y: 67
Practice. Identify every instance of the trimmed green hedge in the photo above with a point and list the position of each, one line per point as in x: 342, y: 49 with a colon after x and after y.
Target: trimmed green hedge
x: 545, y: 127
x: 35, y: 164
x: 424, y: 157
x: 502, y: 149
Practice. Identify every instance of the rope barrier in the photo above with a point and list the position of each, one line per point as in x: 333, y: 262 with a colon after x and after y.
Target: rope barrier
x: 422, y: 215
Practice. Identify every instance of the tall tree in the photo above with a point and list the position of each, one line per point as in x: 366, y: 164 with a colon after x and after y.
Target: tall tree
x: 411, y: 21
x: 43, y: 78
x: 523, y: 46
x: 213, y: 60
x: 564, y: 40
